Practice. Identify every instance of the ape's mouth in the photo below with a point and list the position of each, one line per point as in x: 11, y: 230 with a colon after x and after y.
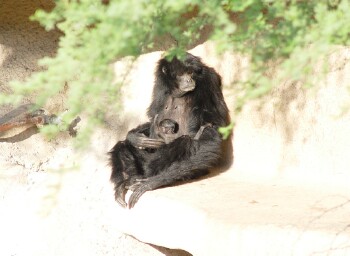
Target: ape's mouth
x: 189, y: 88
x: 181, y: 93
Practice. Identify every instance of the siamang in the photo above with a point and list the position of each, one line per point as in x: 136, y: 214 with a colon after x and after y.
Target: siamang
x: 181, y: 140
x: 166, y: 129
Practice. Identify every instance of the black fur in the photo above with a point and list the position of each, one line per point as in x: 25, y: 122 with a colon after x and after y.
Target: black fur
x: 184, y: 158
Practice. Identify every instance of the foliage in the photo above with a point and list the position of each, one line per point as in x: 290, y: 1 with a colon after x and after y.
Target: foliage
x: 96, y: 33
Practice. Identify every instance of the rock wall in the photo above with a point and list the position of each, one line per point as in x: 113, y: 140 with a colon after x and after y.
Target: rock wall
x: 296, y: 132
x: 300, y: 132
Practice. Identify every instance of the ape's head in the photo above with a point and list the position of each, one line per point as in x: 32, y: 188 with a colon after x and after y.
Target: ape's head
x: 179, y: 77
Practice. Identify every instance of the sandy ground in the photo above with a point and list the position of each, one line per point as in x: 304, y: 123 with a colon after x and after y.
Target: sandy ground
x: 57, y: 202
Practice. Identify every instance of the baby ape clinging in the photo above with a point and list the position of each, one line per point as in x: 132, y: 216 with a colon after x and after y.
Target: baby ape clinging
x: 166, y: 129
x: 189, y: 94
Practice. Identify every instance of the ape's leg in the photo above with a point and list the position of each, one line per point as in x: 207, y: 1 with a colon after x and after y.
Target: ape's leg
x: 152, y: 183
x: 125, y: 169
x: 199, y: 155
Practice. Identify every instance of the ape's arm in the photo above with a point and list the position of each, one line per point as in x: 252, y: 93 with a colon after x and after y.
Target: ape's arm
x: 139, y: 137
x: 189, y: 159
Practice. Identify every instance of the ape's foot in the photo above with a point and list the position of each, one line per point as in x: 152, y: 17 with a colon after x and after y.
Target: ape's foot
x: 120, y: 192
x: 139, y: 188
x: 122, y: 188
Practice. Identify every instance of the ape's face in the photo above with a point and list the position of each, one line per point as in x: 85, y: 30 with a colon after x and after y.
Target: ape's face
x: 168, y: 126
x: 185, y: 83
x: 180, y: 76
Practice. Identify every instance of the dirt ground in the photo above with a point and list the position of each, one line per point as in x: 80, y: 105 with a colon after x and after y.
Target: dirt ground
x: 57, y: 202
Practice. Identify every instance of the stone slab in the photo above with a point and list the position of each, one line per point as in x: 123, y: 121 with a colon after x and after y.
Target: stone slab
x: 227, y: 215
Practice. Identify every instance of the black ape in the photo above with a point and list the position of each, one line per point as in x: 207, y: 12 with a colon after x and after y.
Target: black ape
x: 181, y: 141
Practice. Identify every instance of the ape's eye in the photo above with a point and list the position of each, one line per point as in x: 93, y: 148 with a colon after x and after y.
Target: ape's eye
x: 173, y: 74
x: 198, y: 70
x: 164, y: 70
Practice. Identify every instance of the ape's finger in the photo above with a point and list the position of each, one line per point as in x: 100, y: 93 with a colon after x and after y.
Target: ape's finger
x: 135, y: 196
x: 120, y: 196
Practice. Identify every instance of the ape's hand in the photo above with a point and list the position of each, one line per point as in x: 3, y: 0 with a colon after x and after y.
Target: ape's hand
x: 200, y: 131
x: 140, y: 140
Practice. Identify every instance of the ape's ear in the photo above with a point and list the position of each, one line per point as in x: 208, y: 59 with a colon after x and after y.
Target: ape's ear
x: 164, y: 70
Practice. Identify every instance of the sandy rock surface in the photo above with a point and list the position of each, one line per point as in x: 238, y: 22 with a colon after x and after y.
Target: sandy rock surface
x: 56, y: 202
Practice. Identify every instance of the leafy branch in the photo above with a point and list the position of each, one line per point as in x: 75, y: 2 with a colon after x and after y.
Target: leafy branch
x: 292, y: 34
